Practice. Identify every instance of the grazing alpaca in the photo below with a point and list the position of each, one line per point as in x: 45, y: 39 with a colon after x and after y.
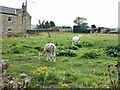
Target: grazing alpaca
x: 50, y: 51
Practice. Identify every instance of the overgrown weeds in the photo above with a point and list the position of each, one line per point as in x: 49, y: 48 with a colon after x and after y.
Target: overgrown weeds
x: 113, y: 51
x: 92, y: 54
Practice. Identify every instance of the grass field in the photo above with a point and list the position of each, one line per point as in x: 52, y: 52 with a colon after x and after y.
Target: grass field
x: 79, y: 70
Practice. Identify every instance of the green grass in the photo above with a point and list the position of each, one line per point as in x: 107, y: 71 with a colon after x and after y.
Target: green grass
x: 74, y: 71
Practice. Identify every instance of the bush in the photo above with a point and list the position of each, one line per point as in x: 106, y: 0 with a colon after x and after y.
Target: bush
x: 78, y: 45
x: 26, y: 46
x: 113, y: 51
x: 70, y: 53
x: 90, y: 55
x: 15, y: 50
x: 52, y: 78
x: 40, y: 74
x: 38, y: 48
x: 14, y: 44
x: 88, y: 44
x: 72, y: 47
x: 70, y: 77
x: 61, y: 48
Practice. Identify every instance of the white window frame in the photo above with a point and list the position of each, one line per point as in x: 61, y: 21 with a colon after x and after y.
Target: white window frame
x: 9, y: 30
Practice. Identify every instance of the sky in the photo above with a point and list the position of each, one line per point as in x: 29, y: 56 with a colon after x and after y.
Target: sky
x: 64, y: 12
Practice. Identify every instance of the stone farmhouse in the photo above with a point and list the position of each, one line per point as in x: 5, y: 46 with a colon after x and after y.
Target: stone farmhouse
x: 14, y: 21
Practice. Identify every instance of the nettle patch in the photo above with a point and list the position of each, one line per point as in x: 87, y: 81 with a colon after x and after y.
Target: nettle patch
x: 38, y: 48
x: 66, y: 52
x: 92, y: 54
x: 73, y: 47
x: 78, y: 45
x: 113, y: 51
x: 87, y: 44
x: 14, y: 49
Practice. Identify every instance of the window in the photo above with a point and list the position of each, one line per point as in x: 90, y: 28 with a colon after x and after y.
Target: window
x: 9, y: 29
x: 9, y: 19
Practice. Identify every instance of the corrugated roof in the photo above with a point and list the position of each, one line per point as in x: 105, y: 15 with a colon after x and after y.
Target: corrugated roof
x: 8, y: 10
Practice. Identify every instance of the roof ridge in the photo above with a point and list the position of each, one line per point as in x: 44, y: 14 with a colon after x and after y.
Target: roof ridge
x: 8, y: 10
x: 9, y: 7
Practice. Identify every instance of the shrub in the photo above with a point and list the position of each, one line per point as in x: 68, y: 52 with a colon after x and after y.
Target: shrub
x: 38, y: 48
x: 15, y: 50
x: 88, y: 44
x: 52, y: 78
x: 40, y: 74
x: 43, y: 77
x: 61, y: 48
x: 90, y: 55
x: 73, y: 47
x: 14, y: 44
x: 26, y: 46
x: 113, y: 51
x: 70, y: 53
x: 78, y: 45
x: 33, y: 52
x: 70, y: 77
x: 77, y: 64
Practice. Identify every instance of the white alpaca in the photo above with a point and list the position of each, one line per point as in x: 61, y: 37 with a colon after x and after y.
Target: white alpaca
x: 50, y: 51
x: 76, y: 39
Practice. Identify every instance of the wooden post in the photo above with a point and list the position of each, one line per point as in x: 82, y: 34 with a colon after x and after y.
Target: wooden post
x: 48, y: 33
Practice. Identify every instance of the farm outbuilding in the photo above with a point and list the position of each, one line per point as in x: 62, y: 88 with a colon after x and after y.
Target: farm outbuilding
x: 80, y: 29
x: 65, y: 29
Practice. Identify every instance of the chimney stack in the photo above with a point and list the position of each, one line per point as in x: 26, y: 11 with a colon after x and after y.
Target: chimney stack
x: 26, y: 5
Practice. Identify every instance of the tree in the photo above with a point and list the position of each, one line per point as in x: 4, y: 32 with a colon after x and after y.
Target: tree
x: 93, y: 26
x: 41, y: 24
x: 52, y: 24
x: 80, y: 21
x: 45, y: 24
x: 81, y: 26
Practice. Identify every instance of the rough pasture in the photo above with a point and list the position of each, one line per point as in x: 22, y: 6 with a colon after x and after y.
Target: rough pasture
x: 86, y: 68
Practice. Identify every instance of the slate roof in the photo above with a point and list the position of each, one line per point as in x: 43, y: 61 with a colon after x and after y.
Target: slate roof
x: 9, y: 10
